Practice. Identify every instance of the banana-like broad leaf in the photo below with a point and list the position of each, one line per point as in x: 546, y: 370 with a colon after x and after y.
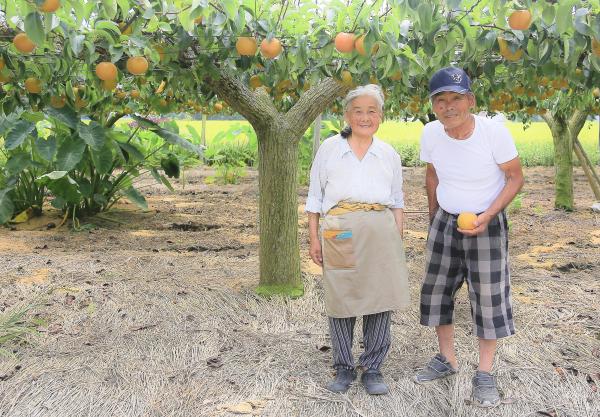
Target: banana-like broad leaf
x: 93, y: 134
x: 102, y: 159
x: 64, y: 188
x: 18, y: 134
x: 130, y: 152
x: 6, y: 206
x: 161, y: 179
x: 46, y: 147
x: 54, y: 175
x: 170, y: 137
x: 135, y: 197
x: 66, y: 115
x: 70, y: 153
x: 18, y: 162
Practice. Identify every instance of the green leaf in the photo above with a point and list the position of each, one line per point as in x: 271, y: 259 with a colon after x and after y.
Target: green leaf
x: 93, y: 134
x: 110, y: 7
x: 68, y: 189
x: 170, y: 137
x: 132, y: 154
x: 66, y: 115
x: 135, y: 197
x: 18, y: 162
x: 35, y: 28
x: 18, y: 134
x: 548, y: 14
x: 46, y: 147
x: 70, y: 153
x: 166, y: 182
x: 7, y: 207
x: 102, y: 159
x: 54, y: 175
x: 425, y: 13
x: 564, y: 18
x: 64, y: 188
x: 76, y: 42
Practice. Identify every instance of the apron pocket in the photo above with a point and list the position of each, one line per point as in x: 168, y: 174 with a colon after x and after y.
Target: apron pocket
x: 338, y: 249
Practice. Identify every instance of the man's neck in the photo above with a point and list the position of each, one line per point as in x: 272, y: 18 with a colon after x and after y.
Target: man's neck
x: 462, y: 131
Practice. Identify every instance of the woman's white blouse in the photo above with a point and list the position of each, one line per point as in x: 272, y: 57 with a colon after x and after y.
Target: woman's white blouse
x: 338, y: 175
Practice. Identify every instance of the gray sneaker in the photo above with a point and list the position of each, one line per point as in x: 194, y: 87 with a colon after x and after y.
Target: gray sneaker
x: 373, y: 382
x: 437, y: 368
x: 342, y: 381
x: 485, y: 392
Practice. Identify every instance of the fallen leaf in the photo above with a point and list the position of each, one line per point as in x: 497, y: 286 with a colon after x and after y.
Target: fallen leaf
x: 324, y: 348
x: 508, y: 400
x: 23, y: 216
x: 549, y: 413
x: 258, y: 403
x: 215, y: 362
x: 241, y: 408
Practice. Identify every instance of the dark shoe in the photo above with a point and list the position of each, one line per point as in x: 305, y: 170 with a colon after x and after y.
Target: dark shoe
x: 342, y: 381
x: 437, y: 368
x: 373, y: 382
x: 485, y: 392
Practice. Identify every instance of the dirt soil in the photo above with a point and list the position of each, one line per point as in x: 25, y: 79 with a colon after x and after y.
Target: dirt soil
x: 153, y: 314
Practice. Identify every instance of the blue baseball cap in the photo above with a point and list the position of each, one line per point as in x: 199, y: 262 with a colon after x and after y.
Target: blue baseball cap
x: 449, y: 79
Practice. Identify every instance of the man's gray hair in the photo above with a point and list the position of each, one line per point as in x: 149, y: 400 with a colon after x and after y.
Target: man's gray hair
x: 371, y: 90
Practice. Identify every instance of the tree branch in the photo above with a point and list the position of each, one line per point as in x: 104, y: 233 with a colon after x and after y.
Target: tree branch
x: 257, y: 107
x: 313, y: 102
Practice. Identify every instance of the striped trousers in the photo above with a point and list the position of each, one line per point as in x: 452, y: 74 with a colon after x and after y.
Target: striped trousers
x: 376, y: 340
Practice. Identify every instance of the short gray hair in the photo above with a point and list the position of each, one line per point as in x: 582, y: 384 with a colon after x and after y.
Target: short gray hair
x: 371, y: 90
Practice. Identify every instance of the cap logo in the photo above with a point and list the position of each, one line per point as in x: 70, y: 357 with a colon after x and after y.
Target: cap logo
x: 457, y: 78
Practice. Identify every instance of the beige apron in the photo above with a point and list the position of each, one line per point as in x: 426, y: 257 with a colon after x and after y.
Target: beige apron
x: 364, y: 266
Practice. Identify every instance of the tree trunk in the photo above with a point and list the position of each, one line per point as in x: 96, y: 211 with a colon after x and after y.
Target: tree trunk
x: 278, y: 136
x: 563, y: 162
x: 563, y: 131
x: 279, y: 252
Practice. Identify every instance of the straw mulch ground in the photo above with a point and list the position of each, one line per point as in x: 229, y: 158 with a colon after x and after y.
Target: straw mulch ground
x: 153, y: 314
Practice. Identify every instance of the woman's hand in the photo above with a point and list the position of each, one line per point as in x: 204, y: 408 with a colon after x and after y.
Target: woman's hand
x: 315, y: 252
x: 313, y: 235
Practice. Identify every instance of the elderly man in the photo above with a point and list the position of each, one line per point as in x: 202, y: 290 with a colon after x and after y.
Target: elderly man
x: 472, y: 166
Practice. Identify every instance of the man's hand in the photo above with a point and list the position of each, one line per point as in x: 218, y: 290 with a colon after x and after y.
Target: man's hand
x: 481, y: 225
x: 315, y: 252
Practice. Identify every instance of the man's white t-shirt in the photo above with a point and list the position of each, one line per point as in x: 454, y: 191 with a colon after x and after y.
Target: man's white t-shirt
x: 468, y: 172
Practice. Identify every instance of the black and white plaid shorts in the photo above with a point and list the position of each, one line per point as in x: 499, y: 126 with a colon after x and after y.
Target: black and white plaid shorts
x: 482, y: 261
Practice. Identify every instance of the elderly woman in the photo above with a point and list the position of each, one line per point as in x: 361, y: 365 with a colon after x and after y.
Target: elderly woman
x: 356, y: 186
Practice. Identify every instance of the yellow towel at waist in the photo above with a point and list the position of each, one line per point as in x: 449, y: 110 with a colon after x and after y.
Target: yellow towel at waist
x: 346, y: 207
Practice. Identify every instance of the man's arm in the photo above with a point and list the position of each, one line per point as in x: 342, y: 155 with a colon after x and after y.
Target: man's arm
x: 431, y: 183
x: 514, y: 182
x: 313, y: 233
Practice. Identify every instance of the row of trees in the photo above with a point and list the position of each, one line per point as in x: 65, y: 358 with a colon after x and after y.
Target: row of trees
x: 59, y: 116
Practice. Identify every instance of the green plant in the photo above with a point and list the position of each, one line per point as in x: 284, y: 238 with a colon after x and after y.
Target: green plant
x: 516, y: 204
x: 86, y: 167
x: 236, y: 146
x: 16, y: 328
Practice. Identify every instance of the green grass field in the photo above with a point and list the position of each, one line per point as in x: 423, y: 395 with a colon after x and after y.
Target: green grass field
x: 534, y: 143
